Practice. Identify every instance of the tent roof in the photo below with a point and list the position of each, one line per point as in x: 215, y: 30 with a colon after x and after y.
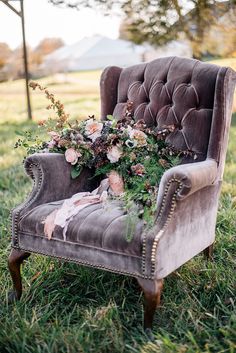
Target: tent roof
x: 95, y: 46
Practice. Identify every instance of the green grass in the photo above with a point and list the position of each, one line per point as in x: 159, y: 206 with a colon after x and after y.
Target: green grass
x: 69, y: 308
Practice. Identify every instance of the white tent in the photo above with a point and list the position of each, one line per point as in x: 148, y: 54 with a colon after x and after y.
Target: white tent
x: 172, y: 48
x: 98, y: 52
x: 93, y: 53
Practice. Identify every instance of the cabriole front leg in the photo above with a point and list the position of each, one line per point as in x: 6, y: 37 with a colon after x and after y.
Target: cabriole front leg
x: 152, y: 296
x: 15, y: 260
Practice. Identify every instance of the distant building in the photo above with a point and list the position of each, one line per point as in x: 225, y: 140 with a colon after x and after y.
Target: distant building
x: 97, y: 52
x: 173, y: 48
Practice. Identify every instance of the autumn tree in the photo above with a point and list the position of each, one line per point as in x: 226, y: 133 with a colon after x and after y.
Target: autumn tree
x: 48, y: 45
x: 221, y: 38
x: 159, y: 21
x: 5, y: 53
x: 45, y: 47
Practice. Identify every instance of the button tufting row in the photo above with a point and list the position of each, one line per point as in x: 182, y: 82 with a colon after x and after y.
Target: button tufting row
x: 138, y: 91
x: 163, y: 94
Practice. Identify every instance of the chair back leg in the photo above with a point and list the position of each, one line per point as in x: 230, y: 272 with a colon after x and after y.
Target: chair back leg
x: 208, y: 252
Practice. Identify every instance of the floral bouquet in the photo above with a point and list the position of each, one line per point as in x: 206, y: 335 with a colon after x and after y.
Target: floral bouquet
x: 139, y: 154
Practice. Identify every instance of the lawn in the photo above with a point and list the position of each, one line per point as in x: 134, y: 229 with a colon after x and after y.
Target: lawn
x: 68, y: 308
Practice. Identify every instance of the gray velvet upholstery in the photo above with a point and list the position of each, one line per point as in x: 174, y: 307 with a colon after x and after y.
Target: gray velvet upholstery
x: 105, y: 227
x: 195, y: 96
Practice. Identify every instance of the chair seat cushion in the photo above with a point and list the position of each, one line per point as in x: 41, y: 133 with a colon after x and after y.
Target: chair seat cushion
x: 104, y: 226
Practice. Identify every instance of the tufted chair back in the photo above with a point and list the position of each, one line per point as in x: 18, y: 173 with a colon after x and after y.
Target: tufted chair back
x: 172, y: 90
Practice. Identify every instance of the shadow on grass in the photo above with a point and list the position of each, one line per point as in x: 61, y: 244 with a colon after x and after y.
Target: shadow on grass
x: 233, y: 121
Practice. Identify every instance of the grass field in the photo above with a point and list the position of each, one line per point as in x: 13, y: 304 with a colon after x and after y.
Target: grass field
x: 69, y: 309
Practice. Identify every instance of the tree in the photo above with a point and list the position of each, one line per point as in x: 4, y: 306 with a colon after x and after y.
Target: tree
x: 221, y: 38
x: 5, y: 53
x: 45, y: 47
x: 48, y: 45
x: 159, y: 21
x: 12, y: 60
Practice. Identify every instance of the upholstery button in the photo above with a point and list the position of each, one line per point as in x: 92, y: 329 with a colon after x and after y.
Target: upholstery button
x: 188, y: 84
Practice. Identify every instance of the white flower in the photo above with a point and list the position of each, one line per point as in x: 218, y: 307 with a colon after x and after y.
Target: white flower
x: 129, y: 129
x: 131, y: 143
x: 139, y: 136
x: 93, y: 129
x: 114, y: 154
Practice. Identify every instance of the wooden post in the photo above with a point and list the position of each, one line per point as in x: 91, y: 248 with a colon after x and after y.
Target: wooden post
x: 25, y: 61
x: 21, y: 15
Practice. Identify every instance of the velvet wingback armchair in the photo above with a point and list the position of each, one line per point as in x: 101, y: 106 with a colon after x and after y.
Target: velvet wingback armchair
x: 196, y: 97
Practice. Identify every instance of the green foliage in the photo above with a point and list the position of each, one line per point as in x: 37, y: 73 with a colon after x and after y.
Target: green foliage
x: 139, y: 154
x: 159, y: 21
x: 75, y: 171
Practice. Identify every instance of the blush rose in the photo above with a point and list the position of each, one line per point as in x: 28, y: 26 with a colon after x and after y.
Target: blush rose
x: 93, y: 129
x: 54, y: 135
x: 138, y: 136
x: 114, y: 154
x: 138, y: 169
x: 72, y: 156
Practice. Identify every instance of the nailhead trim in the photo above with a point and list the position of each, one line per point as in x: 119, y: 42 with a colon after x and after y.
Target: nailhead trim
x: 161, y: 232
x: 85, y: 263
x: 144, y: 254
x: 158, y: 236
x: 165, y: 194
x: 14, y: 227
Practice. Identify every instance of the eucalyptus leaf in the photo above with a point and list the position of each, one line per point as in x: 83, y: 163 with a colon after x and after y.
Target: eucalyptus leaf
x: 75, y: 171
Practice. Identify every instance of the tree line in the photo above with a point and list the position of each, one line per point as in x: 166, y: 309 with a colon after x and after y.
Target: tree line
x: 11, y: 61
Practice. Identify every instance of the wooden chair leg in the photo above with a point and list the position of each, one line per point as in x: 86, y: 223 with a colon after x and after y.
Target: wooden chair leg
x: 15, y: 260
x: 208, y: 252
x: 152, y: 294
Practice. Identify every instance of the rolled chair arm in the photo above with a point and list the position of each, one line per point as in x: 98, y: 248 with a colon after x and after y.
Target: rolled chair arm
x: 183, y: 180
x: 52, y: 180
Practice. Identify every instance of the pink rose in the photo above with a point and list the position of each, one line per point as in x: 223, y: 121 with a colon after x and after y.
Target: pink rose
x: 63, y: 142
x: 138, y: 169
x: 51, y: 144
x: 114, y: 154
x: 54, y: 135
x: 116, y: 182
x: 72, y: 155
x: 93, y: 129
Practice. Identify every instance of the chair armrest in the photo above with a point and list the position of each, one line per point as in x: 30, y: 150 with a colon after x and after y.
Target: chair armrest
x: 52, y: 182
x: 52, y: 179
x: 183, y: 180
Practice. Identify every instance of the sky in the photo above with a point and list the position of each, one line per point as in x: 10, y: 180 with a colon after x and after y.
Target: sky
x: 45, y: 20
